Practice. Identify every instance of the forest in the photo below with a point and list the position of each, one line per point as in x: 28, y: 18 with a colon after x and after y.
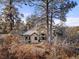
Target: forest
x: 37, y: 36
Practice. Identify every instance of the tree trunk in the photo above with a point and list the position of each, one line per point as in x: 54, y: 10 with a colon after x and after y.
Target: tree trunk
x: 10, y: 16
x: 51, y: 38
x: 47, y: 20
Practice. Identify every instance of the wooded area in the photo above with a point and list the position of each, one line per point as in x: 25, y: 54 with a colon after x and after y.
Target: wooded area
x: 39, y: 37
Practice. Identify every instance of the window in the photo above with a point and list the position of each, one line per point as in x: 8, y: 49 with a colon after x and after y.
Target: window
x: 26, y: 37
x: 42, y: 34
x: 43, y: 38
x: 35, y: 38
x: 29, y: 41
x: 39, y: 40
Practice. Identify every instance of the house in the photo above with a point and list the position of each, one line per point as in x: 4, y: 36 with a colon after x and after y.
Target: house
x: 33, y: 36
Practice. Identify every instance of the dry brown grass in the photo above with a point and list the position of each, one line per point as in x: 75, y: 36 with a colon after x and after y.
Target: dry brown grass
x: 12, y: 50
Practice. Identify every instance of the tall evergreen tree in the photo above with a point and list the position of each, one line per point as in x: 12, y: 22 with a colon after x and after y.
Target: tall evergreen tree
x: 10, y: 13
